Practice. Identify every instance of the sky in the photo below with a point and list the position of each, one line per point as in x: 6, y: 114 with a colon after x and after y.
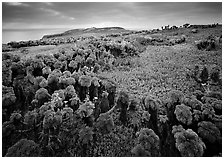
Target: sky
x: 32, y: 20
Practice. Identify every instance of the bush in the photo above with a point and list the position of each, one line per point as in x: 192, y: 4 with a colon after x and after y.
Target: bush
x: 42, y: 95
x: 86, y: 109
x: 86, y: 135
x: 105, y: 123
x: 149, y: 141
x: 30, y: 118
x: 188, y: 142
x: 6, y: 74
x: 8, y: 96
x: 183, y: 114
x: 209, y: 132
x: 85, y: 81
x: 24, y: 148
x: 175, y: 97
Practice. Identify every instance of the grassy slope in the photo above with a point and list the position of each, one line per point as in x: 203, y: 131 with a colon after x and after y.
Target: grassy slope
x: 161, y: 68
x: 87, y: 32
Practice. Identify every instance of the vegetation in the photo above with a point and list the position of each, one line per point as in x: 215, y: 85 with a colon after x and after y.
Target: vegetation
x: 123, y: 94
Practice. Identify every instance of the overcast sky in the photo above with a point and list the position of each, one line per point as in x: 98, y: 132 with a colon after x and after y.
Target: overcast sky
x: 143, y: 15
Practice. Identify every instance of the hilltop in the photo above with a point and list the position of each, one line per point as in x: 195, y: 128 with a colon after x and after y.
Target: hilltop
x: 86, y: 31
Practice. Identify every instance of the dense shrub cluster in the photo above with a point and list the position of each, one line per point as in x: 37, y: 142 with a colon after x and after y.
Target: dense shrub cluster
x: 158, y: 41
x: 205, y: 77
x: 209, y: 44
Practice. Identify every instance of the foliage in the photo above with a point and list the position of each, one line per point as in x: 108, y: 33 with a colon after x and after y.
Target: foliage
x: 208, y: 131
x: 43, y: 83
x: 8, y: 96
x: 46, y: 70
x: 208, y: 111
x: 175, y: 97
x: 149, y: 141
x: 86, y: 109
x: 30, y: 118
x: 204, y: 75
x: 24, y: 148
x: 50, y: 98
x: 7, y: 74
x: 85, y: 81
x: 123, y: 99
x: 188, y: 142
x: 95, y: 82
x: 42, y: 94
x: 104, y: 123
x: 215, y: 75
x: 86, y: 135
x: 197, y: 114
x: 67, y: 74
x: 151, y: 102
x: 183, y: 114
x: 16, y: 117
x: 192, y: 102
x: 70, y: 91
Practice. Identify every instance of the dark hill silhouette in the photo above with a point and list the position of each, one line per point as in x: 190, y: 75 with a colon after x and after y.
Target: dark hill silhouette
x: 77, y: 32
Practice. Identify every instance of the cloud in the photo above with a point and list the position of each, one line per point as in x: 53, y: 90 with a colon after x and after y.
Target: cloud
x: 17, y: 4
x: 51, y: 11
x: 125, y: 14
x: 57, y: 13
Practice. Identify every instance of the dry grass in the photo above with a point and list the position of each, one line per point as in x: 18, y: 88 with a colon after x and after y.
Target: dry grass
x: 162, y: 68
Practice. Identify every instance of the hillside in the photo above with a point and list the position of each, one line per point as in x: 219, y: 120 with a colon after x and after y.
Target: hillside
x: 87, y: 31
x: 110, y: 92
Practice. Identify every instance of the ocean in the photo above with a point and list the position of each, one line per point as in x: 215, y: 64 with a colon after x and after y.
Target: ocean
x: 31, y: 34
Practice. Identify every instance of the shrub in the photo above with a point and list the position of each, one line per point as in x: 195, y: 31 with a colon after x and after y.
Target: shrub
x: 208, y: 112
x: 46, y: 70
x: 38, y: 80
x: 197, y: 114
x: 58, y: 65
x: 43, y: 83
x: 192, y: 102
x: 6, y: 74
x: 149, y: 141
x: 183, y: 114
x: 42, y: 95
x: 73, y: 64
x: 175, y: 97
x: 67, y: 113
x: 209, y: 132
x: 85, y: 81
x: 122, y: 103
x: 217, y: 105
x: 105, y: 123
x: 8, y: 96
x: 30, y: 118
x: 204, y: 75
x: 139, y: 151
x: 24, y: 148
x: 215, y: 75
x: 48, y: 119
x: 86, y: 109
x: 188, y: 142
x: 86, y: 135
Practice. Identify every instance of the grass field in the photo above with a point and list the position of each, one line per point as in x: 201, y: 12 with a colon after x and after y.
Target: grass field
x: 162, y: 68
